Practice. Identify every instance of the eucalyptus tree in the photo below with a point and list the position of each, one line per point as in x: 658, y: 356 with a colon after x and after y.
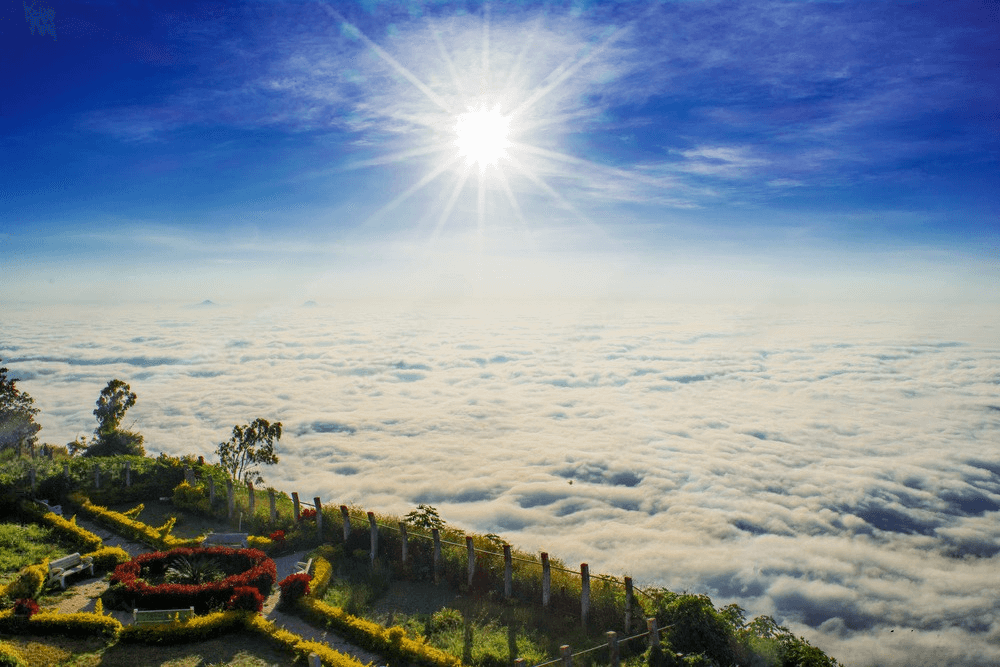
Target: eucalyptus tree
x: 251, y: 445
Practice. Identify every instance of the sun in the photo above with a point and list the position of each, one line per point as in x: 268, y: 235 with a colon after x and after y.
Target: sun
x: 482, y: 136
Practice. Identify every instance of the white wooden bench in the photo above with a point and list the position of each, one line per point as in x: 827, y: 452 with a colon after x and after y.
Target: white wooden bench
x: 303, y: 567
x: 55, y: 509
x: 60, y: 568
x: 239, y: 540
x: 151, y: 616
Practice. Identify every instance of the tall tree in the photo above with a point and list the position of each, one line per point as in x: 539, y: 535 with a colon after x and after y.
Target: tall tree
x: 17, y: 414
x: 109, y: 438
x: 251, y: 445
x: 112, y: 404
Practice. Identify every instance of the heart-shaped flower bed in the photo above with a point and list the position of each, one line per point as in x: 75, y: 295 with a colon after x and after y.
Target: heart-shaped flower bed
x: 144, y: 580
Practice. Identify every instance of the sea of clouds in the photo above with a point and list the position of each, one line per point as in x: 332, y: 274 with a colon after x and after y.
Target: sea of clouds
x: 838, y: 470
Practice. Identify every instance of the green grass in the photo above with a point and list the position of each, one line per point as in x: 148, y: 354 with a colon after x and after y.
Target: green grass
x: 25, y: 545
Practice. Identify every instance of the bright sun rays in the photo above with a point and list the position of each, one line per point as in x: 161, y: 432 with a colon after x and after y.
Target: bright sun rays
x: 475, y: 113
x: 482, y: 136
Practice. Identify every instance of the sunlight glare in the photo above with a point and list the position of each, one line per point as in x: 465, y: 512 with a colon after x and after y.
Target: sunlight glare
x: 482, y: 136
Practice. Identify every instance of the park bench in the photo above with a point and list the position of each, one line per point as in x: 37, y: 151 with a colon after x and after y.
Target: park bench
x: 151, y: 616
x: 303, y: 567
x: 55, y: 509
x: 60, y: 568
x: 226, y: 540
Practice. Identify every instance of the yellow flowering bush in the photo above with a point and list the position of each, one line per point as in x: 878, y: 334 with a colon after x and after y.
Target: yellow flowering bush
x: 322, y: 571
x: 28, y: 583
x: 302, y: 647
x: 192, y: 630
x: 158, y: 537
x: 108, y: 558
x: 390, y: 642
x: 10, y: 656
x: 72, y: 532
x: 79, y: 624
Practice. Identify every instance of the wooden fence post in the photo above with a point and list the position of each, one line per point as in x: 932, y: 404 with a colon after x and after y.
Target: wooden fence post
x: 508, y: 573
x: 584, y: 593
x: 373, y: 540
x: 546, y: 580
x: 230, y: 499
x: 519, y: 663
x: 345, y: 516
x: 189, y: 476
x: 567, y: 655
x: 314, y: 660
x: 66, y: 470
x: 319, y: 518
x: 128, y: 473
x: 32, y: 475
x: 472, y: 557
x: 97, y: 476
x: 252, y: 502
x: 436, y: 534
x: 404, y: 537
x: 654, y: 632
x: 273, y: 507
x: 295, y: 506
x: 629, y: 601
x: 613, y: 656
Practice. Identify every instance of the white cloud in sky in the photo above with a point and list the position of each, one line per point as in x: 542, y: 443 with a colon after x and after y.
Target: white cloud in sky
x: 834, y: 467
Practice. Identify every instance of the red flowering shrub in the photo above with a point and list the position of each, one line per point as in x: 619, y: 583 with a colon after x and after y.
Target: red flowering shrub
x: 245, y: 598
x: 307, y: 515
x: 25, y: 607
x: 278, y: 537
x: 293, y: 587
x: 243, y: 567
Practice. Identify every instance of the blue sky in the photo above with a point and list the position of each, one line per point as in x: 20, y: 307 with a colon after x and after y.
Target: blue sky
x: 299, y: 150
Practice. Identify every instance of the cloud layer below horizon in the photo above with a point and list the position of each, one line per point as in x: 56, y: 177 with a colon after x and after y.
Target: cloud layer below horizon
x: 838, y: 471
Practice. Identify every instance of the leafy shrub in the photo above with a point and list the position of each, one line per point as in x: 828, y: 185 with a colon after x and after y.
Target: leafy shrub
x: 108, y: 558
x: 25, y: 607
x: 28, y: 583
x: 446, y: 619
x: 301, y: 647
x: 798, y: 653
x: 10, y: 656
x: 307, y: 515
x: 245, y: 598
x: 196, y: 569
x: 69, y: 625
x: 192, y: 498
x: 68, y: 530
x: 389, y: 642
x: 293, y: 587
x: 322, y: 573
x: 158, y: 537
x: 698, y: 628
x: 260, y: 542
x: 196, y: 629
